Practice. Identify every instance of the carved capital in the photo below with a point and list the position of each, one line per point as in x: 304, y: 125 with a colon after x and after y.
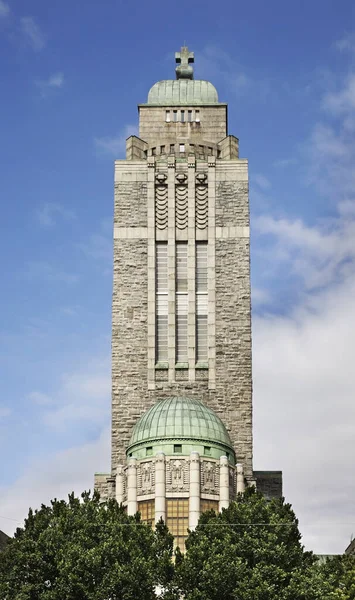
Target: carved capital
x: 160, y: 177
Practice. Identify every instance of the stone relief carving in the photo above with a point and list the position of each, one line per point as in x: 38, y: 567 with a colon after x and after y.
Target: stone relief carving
x: 161, y: 205
x: 209, y: 477
x: 177, y: 475
x: 201, y: 201
x: 145, y: 478
x: 181, y: 206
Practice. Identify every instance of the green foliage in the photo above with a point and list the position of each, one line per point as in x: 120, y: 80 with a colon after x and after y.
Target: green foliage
x: 340, y: 572
x: 251, y: 551
x: 85, y: 550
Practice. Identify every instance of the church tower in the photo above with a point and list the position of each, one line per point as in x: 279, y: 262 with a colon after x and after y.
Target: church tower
x: 181, y: 312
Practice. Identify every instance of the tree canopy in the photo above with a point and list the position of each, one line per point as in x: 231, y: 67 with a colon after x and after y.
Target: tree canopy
x: 252, y: 550
x: 85, y: 550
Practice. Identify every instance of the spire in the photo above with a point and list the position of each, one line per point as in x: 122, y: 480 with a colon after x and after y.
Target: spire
x: 184, y: 60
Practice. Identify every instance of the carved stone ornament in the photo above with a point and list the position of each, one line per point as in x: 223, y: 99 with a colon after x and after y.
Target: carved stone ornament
x: 201, y: 178
x: 160, y: 177
x: 181, y: 177
x: 177, y: 476
x: 145, y: 478
x: 209, y: 477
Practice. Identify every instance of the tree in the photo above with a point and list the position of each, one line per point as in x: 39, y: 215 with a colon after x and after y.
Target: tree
x: 340, y: 572
x: 85, y: 550
x: 250, y: 551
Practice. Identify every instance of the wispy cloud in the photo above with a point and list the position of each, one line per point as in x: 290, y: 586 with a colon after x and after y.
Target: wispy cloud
x: 32, y: 33
x: 53, y: 82
x: 99, y: 245
x: 40, y: 398
x: 83, y: 397
x: 347, y: 43
x: 46, y: 271
x: 48, y: 214
x: 4, y: 9
x: 262, y: 181
x: 285, y: 162
x: 4, y: 412
x: 216, y: 64
x: 116, y: 145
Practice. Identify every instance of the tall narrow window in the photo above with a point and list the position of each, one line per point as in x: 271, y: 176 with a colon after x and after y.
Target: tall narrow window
x: 167, y: 116
x: 189, y: 115
x: 197, y: 116
x: 181, y: 303
x: 161, y: 302
x: 182, y: 116
x: 201, y: 303
x: 175, y: 115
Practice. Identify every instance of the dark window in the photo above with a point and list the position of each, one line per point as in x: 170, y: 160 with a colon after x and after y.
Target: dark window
x: 177, y: 448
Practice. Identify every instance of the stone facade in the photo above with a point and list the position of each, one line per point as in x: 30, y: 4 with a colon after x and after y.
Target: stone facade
x: 182, y: 181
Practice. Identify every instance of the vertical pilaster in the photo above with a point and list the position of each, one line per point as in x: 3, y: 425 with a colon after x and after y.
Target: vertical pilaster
x: 132, y: 486
x: 160, y: 487
x: 211, y: 272
x: 240, y: 479
x: 151, y: 270
x: 223, y: 483
x: 194, y: 498
x: 171, y: 267
x: 191, y: 267
x: 119, y: 484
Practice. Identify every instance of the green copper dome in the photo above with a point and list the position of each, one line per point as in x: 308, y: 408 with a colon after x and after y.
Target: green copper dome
x: 183, y: 91
x: 180, y: 426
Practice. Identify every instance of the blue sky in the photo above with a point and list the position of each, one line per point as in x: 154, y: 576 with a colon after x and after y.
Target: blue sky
x: 72, y: 74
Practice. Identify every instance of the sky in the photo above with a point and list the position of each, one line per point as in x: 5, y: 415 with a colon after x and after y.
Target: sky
x: 71, y: 76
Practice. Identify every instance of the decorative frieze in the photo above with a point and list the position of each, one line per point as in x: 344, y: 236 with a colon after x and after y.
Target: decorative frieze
x: 146, y: 478
x: 209, y: 477
x: 177, y: 475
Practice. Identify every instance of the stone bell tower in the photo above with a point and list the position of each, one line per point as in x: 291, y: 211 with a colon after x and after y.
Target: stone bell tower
x: 181, y: 311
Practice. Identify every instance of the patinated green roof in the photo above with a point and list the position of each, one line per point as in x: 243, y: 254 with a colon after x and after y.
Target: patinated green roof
x: 183, y: 91
x: 180, y: 419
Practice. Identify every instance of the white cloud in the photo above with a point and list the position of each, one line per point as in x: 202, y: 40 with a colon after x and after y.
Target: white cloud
x: 47, y: 215
x: 343, y: 100
x: 83, y: 397
x: 53, y: 476
x: 304, y: 386
x: 32, y: 33
x: 116, y: 145
x: 4, y: 9
x: 304, y: 379
x: 53, y: 82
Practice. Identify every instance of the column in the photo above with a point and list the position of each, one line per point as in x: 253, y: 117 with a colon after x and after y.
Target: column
x: 191, y: 267
x: 171, y: 267
x: 240, y: 479
x: 160, y: 487
x: 194, y: 500
x: 119, y: 484
x: 132, y: 486
x: 211, y: 272
x: 151, y: 270
x: 223, y: 483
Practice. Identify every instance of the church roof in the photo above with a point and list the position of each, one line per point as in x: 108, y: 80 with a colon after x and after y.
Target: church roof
x: 172, y: 92
x: 181, y: 419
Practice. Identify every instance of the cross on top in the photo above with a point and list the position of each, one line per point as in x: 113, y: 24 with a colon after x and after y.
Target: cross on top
x: 184, y: 60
